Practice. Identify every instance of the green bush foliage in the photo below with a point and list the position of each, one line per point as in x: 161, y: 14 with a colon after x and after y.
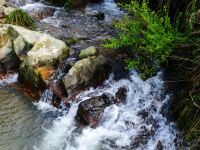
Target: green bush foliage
x: 21, y: 18
x: 150, y: 35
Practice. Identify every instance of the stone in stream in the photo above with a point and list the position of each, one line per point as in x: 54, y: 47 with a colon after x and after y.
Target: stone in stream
x: 82, y: 72
x: 19, y: 37
x: 55, y: 2
x: 90, y: 51
x: 89, y: 111
x: 59, y: 92
x: 39, y: 53
x: 14, y: 43
x: 46, y: 52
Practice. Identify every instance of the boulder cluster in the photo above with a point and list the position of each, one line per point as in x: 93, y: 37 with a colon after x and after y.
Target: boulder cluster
x: 43, y: 61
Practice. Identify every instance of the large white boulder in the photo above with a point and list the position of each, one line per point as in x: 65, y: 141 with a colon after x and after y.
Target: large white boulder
x: 47, y: 50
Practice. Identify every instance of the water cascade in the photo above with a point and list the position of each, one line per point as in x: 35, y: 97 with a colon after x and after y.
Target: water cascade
x: 138, y: 123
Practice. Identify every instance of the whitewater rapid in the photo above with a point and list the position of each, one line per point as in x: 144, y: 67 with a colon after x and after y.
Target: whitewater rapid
x: 122, y: 126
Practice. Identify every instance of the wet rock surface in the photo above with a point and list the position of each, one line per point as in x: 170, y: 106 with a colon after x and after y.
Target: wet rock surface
x: 90, y: 111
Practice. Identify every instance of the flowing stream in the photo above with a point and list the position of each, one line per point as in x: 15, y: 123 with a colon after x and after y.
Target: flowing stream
x: 141, y: 122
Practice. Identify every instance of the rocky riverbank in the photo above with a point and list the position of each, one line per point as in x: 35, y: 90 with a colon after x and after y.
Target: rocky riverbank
x: 45, y: 62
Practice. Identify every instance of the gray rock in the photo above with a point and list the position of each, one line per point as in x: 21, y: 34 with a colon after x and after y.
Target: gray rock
x: 82, y: 72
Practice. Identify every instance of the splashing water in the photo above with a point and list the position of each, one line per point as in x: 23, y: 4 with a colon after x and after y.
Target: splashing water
x: 9, y: 79
x: 122, y: 126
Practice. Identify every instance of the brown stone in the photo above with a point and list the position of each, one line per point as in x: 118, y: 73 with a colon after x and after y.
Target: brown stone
x: 46, y: 72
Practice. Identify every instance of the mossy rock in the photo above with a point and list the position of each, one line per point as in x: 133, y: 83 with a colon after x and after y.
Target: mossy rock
x: 42, y: 60
x: 35, y: 77
x: 90, y: 51
x: 30, y: 76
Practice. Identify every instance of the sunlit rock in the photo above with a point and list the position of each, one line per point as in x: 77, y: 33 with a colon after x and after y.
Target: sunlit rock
x: 46, y: 53
x: 82, y: 72
x: 47, y: 50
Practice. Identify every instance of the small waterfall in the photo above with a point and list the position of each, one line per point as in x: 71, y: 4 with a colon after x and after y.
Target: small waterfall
x: 137, y: 124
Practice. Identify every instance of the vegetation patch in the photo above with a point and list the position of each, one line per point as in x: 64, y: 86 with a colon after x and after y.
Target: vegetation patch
x: 21, y: 18
x: 150, y: 35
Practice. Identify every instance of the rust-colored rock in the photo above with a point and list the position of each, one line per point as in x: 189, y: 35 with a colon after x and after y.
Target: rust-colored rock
x: 46, y: 72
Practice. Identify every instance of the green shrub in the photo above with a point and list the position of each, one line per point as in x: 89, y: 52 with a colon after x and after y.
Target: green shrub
x: 21, y: 18
x: 151, y: 37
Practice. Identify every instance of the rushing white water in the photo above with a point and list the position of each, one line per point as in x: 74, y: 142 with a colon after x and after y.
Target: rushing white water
x: 121, y: 126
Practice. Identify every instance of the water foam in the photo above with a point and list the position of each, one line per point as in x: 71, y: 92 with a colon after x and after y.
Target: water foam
x: 122, y: 126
